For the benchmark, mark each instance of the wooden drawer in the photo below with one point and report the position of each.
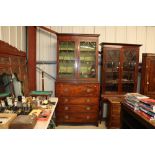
(14, 60)
(4, 60)
(76, 108)
(76, 118)
(116, 106)
(78, 100)
(66, 89)
(115, 111)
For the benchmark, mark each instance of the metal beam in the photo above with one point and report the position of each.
(42, 62)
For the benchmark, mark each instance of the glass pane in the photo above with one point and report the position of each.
(129, 60)
(128, 87)
(66, 59)
(111, 66)
(129, 64)
(87, 59)
(112, 86)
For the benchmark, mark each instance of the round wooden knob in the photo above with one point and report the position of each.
(88, 108)
(66, 108)
(66, 116)
(87, 100)
(88, 117)
(66, 90)
(88, 90)
(66, 99)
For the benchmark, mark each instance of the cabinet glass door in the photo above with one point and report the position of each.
(87, 68)
(66, 59)
(111, 74)
(129, 64)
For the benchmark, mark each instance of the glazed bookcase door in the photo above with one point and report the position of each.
(128, 69)
(67, 59)
(111, 70)
(87, 60)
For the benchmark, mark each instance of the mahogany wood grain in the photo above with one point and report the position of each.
(107, 47)
(77, 108)
(78, 97)
(78, 90)
(13, 60)
(78, 100)
(32, 57)
(148, 75)
(76, 118)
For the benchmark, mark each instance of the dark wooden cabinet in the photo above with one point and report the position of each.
(148, 75)
(119, 68)
(77, 86)
(119, 72)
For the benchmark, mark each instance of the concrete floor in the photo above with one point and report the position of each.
(100, 126)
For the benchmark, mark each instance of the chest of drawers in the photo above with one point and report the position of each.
(114, 108)
(78, 102)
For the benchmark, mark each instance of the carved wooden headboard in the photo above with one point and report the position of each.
(13, 60)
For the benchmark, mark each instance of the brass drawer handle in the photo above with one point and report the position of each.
(88, 117)
(66, 108)
(88, 90)
(88, 108)
(66, 99)
(66, 90)
(66, 117)
(87, 100)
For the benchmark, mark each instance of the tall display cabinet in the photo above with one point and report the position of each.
(148, 75)
(120, 68)
(119, 74)
(77, 85)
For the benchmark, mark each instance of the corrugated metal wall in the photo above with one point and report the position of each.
(46, 43)
(46, 51)
(14, 35)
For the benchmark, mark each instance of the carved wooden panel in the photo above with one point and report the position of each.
(14, 61)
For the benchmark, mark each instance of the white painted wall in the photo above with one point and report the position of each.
(14, 35)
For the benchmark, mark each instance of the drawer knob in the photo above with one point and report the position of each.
(66, 99)
(66, 90)
(66, 116)
(87, 100)
(88, 108)
(88, 90)
(88, 117)
(66, 108)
